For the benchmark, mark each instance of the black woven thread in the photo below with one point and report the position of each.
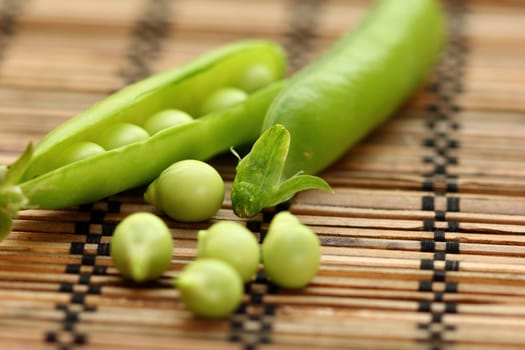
(87, 267)
(147, 35)
(302, 31)
(300, 37)
(441, 183)
(147, 38)
(9, 14)
(255, 310)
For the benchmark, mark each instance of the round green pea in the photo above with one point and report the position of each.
(222, 98)
(291, 252)
(210, 288)
(256, 77)
(188, 191)
(141, 247)
(79, 151)
(232, 243)
(166, 119)
(121, 134)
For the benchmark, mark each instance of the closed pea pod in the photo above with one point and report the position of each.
(338, 99)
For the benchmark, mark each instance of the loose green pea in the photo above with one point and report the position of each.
(121, 134)
(232, 243)
(291, 252)
(79, 151)
(210, 288)
(166, 119)
(256, 77)
(141, 247)
(259, 181)
(223, 98)
(188, 191)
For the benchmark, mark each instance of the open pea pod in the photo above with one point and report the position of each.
(48, 183)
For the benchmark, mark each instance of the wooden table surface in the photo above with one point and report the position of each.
(423, 242)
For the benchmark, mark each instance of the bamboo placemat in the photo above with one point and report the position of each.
(423, 240)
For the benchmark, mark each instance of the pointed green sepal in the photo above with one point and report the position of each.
(258, 182)
(12, 199)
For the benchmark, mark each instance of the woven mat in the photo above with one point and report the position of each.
(423, 240)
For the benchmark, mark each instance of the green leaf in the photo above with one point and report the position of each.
(258, 173)
(258, 182)
(298, 183)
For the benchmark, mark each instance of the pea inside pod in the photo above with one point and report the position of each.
(79, 151)
(121, 134)
(256, 77)
(166, 119)
(222, 98)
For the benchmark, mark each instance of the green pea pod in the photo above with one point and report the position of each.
(184, 88)
(106, 172)
(360, 81)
